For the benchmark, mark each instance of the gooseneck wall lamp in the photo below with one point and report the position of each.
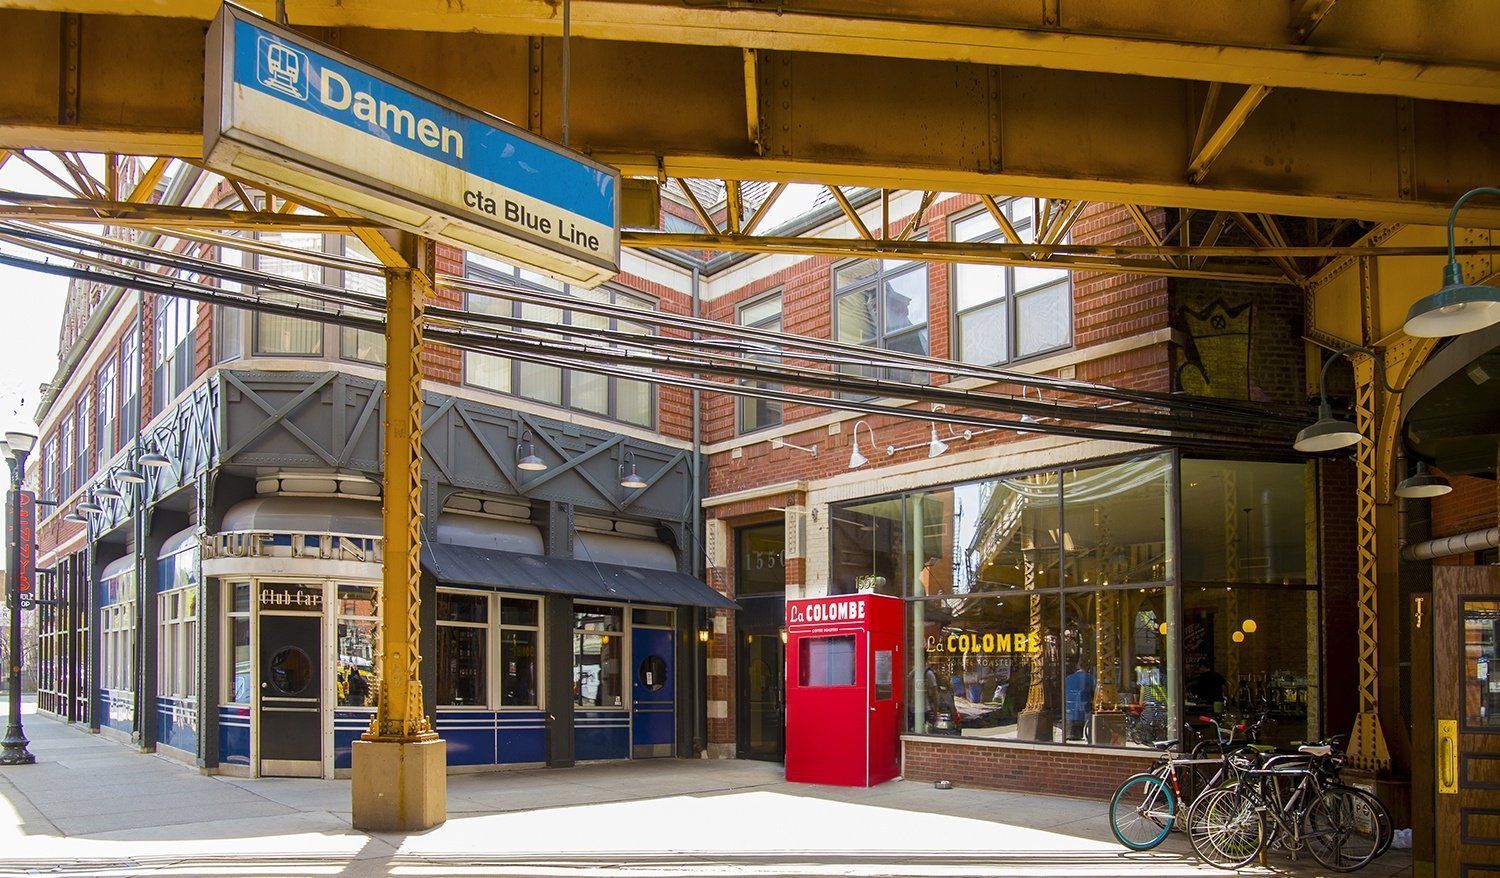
(528, 460)
(1329, 433)
(1458, 307)
(630, 479)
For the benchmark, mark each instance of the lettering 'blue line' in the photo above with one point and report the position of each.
(489, 153)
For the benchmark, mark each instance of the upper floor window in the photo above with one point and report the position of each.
(104, 418)
(130, 386)
(50, 485)
(81, 439)
(1004, 313)
(622, 399)
(65, 459)
(277, 335)
(753, 413)
(175, 319)
(882, 303)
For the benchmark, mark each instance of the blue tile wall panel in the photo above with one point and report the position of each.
(177, 723)
(601, 734)
(234, 734)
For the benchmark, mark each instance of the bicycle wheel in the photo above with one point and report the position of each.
(1142, 812)
(1382, 814)
(1226, 829)
(1342, 829)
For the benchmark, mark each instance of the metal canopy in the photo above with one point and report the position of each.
(469, 565)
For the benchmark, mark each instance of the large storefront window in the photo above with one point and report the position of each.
(462, 645)
(117, 612)
(1049, 607)
(177, 620)
(598, 656)
(237, 605)
(359, 645)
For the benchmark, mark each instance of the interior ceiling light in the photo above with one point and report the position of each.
(1457, 307)
(1423, 483)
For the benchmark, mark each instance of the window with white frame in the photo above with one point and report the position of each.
(177, 665)
(50, 484)
(104, 416)
(520, 652)
(130, 386)
(281, 336)
(362, 345)
(620, 399)
(598, 656)
(117, 614)
(66, 460)
(763, 312)
(237, 664)
(175, 319)
(1004, 313)
(359, 645)
(81, 436)
(882, 303)
(177, 624)
(463, 622)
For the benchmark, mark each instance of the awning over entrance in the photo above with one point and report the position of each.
(467, 565)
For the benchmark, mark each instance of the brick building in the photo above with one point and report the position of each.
(1153, 582)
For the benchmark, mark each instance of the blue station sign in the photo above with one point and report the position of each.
(289, 111)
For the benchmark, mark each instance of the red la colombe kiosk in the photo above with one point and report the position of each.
(844, 689)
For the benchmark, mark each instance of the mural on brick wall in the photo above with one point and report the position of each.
(1217, 356)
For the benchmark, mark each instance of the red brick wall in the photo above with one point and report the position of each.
(1083, 773)
(1471, 506)
(1107, 307)
(1338, 544)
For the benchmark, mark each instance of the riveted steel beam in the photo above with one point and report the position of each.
(1408, 47)
(947, 124)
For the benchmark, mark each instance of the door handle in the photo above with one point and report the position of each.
(1447, 773)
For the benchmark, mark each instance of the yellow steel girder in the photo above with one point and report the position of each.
(1399, 47)
(941, 124)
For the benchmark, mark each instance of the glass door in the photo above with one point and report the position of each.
(763, 696)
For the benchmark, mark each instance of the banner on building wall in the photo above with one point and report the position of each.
(23, 533)
(283, 109)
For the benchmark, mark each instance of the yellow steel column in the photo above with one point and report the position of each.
(1367, 745)
(400, 765)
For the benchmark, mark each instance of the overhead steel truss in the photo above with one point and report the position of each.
(1338, 110)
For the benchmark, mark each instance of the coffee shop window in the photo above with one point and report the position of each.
(867, 543)
(598, 656)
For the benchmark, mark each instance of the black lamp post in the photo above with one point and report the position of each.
(16, 447)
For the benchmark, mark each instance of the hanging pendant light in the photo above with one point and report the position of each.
(1423, 483)
(1457, 307)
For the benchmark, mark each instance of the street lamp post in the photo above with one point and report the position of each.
(13, 750)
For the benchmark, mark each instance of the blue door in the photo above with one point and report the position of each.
(653, 721)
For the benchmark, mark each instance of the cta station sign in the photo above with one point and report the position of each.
(285, 110)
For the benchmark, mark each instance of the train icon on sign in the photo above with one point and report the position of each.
(282, 68)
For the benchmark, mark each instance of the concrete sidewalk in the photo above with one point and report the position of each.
(93, 807)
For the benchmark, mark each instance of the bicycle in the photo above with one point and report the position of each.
(1144, 808)
(1287, 801)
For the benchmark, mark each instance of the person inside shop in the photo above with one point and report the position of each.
(1206, 686)
(1078, 701)
(359, 688)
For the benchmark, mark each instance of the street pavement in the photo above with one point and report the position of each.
(91, 806)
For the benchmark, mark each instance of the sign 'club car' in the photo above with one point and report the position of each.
(289, 111)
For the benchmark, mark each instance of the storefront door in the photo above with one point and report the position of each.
(1466, 694)
(290, 705)
(763, 697)
(653, 699)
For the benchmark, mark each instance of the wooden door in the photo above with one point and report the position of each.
(1466, 698)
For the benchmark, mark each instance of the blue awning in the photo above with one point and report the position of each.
(492, 568)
